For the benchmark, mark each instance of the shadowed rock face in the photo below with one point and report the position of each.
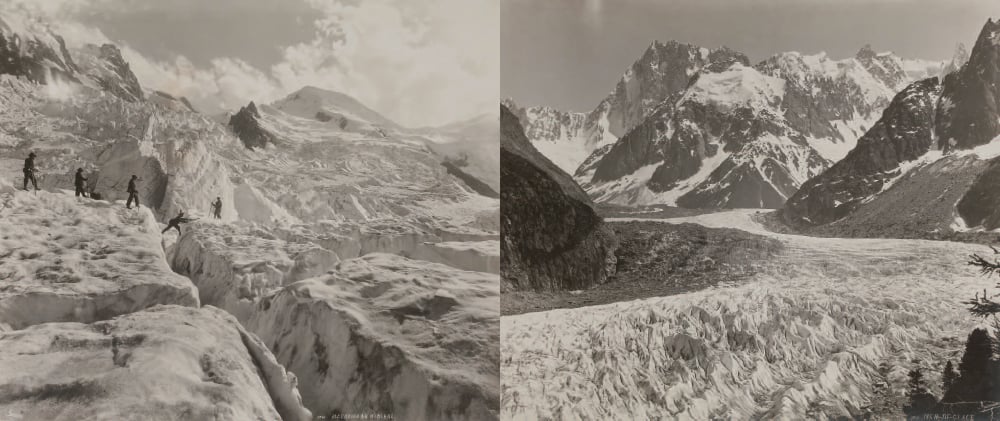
(979, 205)
(967, 114)
(455, 169)
(42, 57)
(663, 70)
(244, 123)
(127, 85)
(904, 133)
(30, 58)
(551, 238)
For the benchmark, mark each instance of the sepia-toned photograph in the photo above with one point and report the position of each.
(743, 210)
(484, 210)
(249, 210)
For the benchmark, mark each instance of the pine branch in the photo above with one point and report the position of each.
(985, 267)
(983, 307)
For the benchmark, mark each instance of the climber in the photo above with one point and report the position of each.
(217, 208)
(133, 193)
(80, 183)
(176, 223)
(29, 171)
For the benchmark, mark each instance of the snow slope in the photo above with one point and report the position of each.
(68, 259)
(735, 87)
(168, 362)
(472, 144)
(802, 340)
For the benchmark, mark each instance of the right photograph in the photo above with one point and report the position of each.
(723, 209)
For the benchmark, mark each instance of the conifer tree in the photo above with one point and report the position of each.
(948, 377)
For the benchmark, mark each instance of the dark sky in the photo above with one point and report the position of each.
(570, 53)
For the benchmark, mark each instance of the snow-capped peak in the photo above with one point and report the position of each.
(738, 86)
(316, 103)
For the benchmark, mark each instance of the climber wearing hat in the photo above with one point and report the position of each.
(133, 193)
(29, 171)
(80, 182)
(176, 223)
(217, 208)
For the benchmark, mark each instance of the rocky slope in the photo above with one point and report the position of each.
(967, 114)
(29, 48)
(904, 133)
(931, 131)
(246, 126)
(472, 147)
(548, 225)
(168, 362)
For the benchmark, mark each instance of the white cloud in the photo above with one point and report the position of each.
(425, 62)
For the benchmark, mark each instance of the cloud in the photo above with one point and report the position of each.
(427, 62)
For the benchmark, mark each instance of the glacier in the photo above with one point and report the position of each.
(803, 339)
(400, 254)
(69, 259)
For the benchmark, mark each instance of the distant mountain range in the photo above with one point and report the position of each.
(699, 127)
(929, 165)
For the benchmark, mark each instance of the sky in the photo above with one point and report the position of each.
(570, 53)
(419, 62)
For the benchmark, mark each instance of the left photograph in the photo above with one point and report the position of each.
(249, 210)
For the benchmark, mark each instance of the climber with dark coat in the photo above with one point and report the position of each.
(217, 208)
(133, 193)
(29, 171)
(80, 182)
(176, 223)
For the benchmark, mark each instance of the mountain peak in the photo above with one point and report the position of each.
(971, 117)
(312, 101)
(310, 91)
(866, 53)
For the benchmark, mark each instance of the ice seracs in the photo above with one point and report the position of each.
(387, 334)
(805, 338)
(167, 361)
(65, 259)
